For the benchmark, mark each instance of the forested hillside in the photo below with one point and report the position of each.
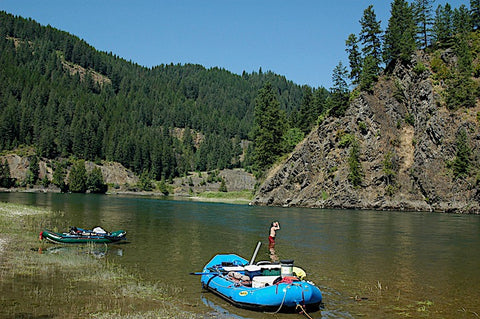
(408, 135)
(64, 98)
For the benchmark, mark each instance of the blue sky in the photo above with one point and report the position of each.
(302, 39)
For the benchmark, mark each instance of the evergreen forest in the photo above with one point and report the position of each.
(66, 99)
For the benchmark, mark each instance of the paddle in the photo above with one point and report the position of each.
(204, 273)
(213, 271)
(255, 253)
(219, 273)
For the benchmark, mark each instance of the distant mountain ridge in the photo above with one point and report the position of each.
(60, 95)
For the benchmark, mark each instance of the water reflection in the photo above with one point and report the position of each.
(398, 260)
(98, 251)
(273, 254)
(218, 311)
(271, 249)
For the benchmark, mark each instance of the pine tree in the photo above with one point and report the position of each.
(461, 88)
(291, 138)
(306, 115)
(422, 10)
(443, 24)
(77, 179)
(58, 178)
(400, 33)
(369, 74)
(462, 20)
(162, 187)
(464, 54)
(46, 144)
(95, 182)
(268, 129)
(319, 100)
(460, 92)
(145, 183)
(355, 175)
(370, 35)
(354, 58)
(339, 93)
(5, 178)
(34, 169)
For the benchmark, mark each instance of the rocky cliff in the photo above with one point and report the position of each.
(406, 140)
(113, 173)
(124, 180)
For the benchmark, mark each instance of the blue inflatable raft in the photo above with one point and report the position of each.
(262, 287)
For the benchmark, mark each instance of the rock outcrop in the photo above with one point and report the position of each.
(235, 180)
(112, 172)
(406, 138)
(124, 180)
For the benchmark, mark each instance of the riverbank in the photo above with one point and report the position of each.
(235, 197)
(41, 280)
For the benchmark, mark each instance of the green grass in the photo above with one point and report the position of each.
(240, 197)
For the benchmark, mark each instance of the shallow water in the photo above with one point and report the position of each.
(367, 264)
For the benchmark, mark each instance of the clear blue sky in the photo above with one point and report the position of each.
(302, 39)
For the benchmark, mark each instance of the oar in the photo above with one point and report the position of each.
(255, 253)
(219, 273)
(205, 273)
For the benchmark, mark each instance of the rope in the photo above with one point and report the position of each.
(281, 305)
(303, 311)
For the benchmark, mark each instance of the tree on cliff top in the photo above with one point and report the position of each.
(354, 58)
(400, 34)
(337, 102)
(422, 10)
(475, 12)
(370, 36)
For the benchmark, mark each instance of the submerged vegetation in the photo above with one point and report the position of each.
(44, 281)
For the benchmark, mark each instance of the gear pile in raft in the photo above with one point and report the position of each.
(262, 286)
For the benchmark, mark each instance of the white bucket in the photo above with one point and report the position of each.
(287, 268)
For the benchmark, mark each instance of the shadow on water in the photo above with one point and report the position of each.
(221, 309)
(218, 311)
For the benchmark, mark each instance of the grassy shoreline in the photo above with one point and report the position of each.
(38, 283)
(241, 197)
(236, 197)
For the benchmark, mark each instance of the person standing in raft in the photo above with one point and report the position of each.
(273, 232)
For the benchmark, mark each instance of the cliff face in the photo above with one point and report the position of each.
(113, 173)
(406, 138)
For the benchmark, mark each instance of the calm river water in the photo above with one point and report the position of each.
(367, 263)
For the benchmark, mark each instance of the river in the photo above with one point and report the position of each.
(367, 263)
